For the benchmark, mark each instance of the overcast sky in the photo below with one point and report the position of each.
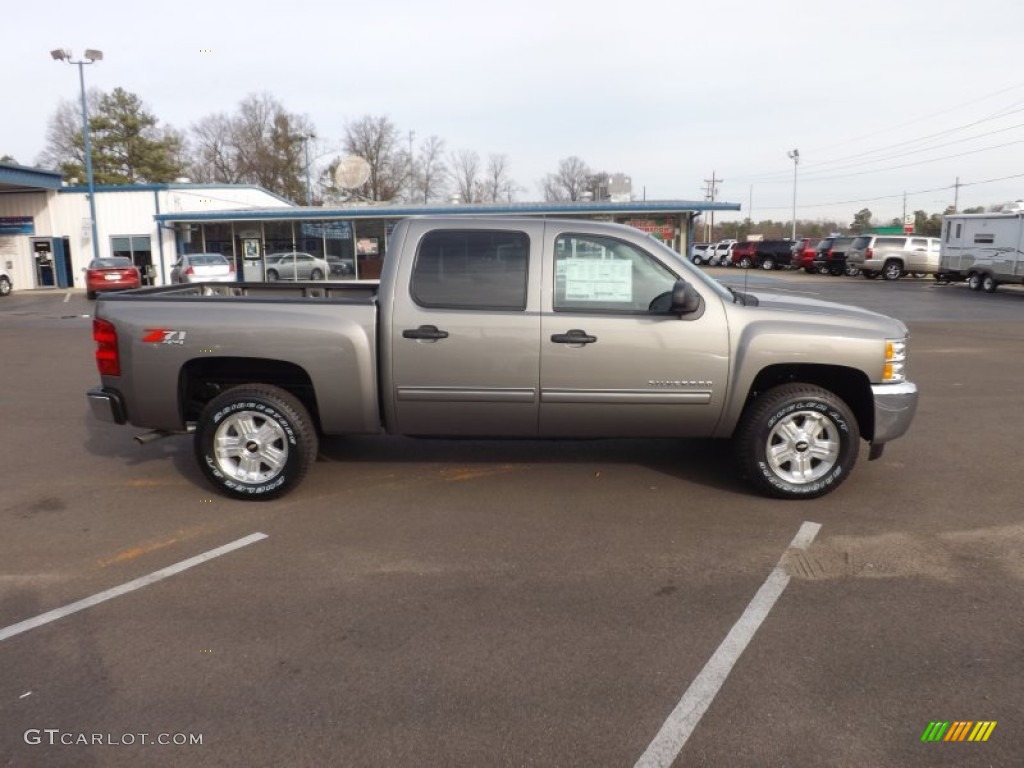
(880, 98)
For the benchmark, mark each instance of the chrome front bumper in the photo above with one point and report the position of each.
(895, 405)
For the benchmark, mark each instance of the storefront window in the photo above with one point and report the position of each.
(278, 237)
(217, 238)
(370, 244)
(138, 249)
(339, 249)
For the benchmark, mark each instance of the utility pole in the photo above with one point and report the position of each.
(711, 194)
(956, 196)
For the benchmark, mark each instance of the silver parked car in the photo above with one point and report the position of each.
(296, 265)
(894, 256)
(203, 268)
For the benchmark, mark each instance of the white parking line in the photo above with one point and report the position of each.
(131, 586)
(672, 737)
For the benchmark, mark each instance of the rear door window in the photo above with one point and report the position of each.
(471, 269)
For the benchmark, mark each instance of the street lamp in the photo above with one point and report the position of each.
(92, 56)
(794, 155)
(305, 146)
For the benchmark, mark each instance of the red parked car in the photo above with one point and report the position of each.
(744, 254)
(115, 273)
(803, 254)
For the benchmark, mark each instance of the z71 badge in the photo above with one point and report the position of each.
(164, 336)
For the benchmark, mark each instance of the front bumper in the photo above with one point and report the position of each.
(895, 405)
(107, 405)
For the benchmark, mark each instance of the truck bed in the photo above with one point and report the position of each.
(182, 342)
(362, 290)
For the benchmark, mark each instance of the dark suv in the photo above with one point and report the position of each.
(830, 257)
(774, 254)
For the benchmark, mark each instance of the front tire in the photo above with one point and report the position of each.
(974, 281)
(5, 286)
(255, 442)
(316, 274)
(272, 275)
(768, 263)
(892, 270)
(797, 441)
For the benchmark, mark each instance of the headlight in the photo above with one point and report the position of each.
(895, 360)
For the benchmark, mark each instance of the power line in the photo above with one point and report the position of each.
(779, 176)
(901, 194)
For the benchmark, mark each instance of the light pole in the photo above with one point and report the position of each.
(794, 155)
(305, 147)
(91, 56)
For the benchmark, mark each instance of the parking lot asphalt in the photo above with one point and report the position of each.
(515, 603)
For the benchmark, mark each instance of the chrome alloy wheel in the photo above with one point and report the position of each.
(250, 448)
(803, 447)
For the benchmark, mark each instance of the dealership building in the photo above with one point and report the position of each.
(46, 231)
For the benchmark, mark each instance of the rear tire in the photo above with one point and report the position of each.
(989, 284)
(746, 263)
(797, 441)
(869, 274)
(852, 271)
(5, 286)
(316, 274)
(255, 441)
(272, 275)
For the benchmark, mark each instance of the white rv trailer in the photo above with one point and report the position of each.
(985, 249)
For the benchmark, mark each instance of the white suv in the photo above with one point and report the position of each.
(721, 253)
(5, 282)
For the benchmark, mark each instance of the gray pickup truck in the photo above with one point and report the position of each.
(504, 327)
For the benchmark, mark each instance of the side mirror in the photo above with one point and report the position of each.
(685, 299)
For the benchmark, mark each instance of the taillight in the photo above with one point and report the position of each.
(231, 267)
(869, 253)
(107, 359)
(190, 271)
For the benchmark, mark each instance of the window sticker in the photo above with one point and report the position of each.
(598, 280)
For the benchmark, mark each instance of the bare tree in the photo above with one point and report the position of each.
(430, 171)
(65, 148)
(261, 144)
(214, 157)
(465, 172)
(376, 140)
(499, 186)
(568, 183)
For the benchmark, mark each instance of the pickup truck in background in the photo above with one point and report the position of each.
(504, 327)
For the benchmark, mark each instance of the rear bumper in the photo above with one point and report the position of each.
(107, 405)
(895, 405)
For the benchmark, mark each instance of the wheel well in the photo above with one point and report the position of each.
(849, 384)
(203, 379)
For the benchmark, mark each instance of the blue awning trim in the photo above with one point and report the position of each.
(300, 213)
